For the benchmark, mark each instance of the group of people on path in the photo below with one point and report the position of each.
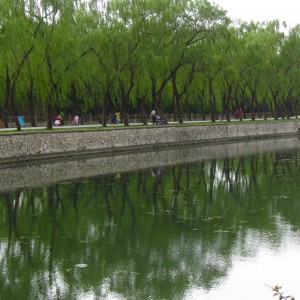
(59, 121)
(116, 118)
(239, 113)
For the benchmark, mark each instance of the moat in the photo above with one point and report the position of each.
(213, 222)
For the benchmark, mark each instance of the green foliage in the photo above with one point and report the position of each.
(76, 52)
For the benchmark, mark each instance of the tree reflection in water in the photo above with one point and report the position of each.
(153, 233)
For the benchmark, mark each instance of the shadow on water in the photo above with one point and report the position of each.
(148, 225)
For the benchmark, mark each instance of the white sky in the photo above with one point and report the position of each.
(262, 10)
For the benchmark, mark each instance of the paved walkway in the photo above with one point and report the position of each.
(130, 124)
(90, 125)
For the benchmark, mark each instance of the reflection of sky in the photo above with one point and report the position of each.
(250, 276)
(55, 286)
(228, 179)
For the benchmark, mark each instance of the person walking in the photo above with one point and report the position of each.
(118, 118)
(79, 118)
(62, 115)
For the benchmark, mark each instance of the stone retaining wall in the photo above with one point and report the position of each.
(33, 146)
(40, 173)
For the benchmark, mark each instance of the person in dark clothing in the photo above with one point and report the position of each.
(62, 115)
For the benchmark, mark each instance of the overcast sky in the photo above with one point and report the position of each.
(262, 10)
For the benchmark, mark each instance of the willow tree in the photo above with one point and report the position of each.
(27, 89)
(198, 92)
(60, 54)
(18, 34)
(213, 66)
(228, 78)
(104, 78)
(124, 41)
(179, 27)
(156, 32)
(147, 36)
(143, 31)
(30, 87)
(141, 96)
(251, 62)
(88, 70)
(291, 68)
(259, 61)
(272, 66)
(196, 34)
(114, 40)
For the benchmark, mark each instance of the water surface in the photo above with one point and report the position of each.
(213, 222)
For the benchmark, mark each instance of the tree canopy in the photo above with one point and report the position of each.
(178, 56)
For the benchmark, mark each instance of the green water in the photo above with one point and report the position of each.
(222, 228)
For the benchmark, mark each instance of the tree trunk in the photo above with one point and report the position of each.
(143, 110)
(177, 98)
(173, 109)
(31, 105)
(155, 102)
(202, 106)
(104, 107)
(264, 109)
(274, 95)
(6, 102)
(15, 111)
(212, 103)
(49, 116)
(225, 108)
(124, 106)
(187, 108)
(252, 105)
